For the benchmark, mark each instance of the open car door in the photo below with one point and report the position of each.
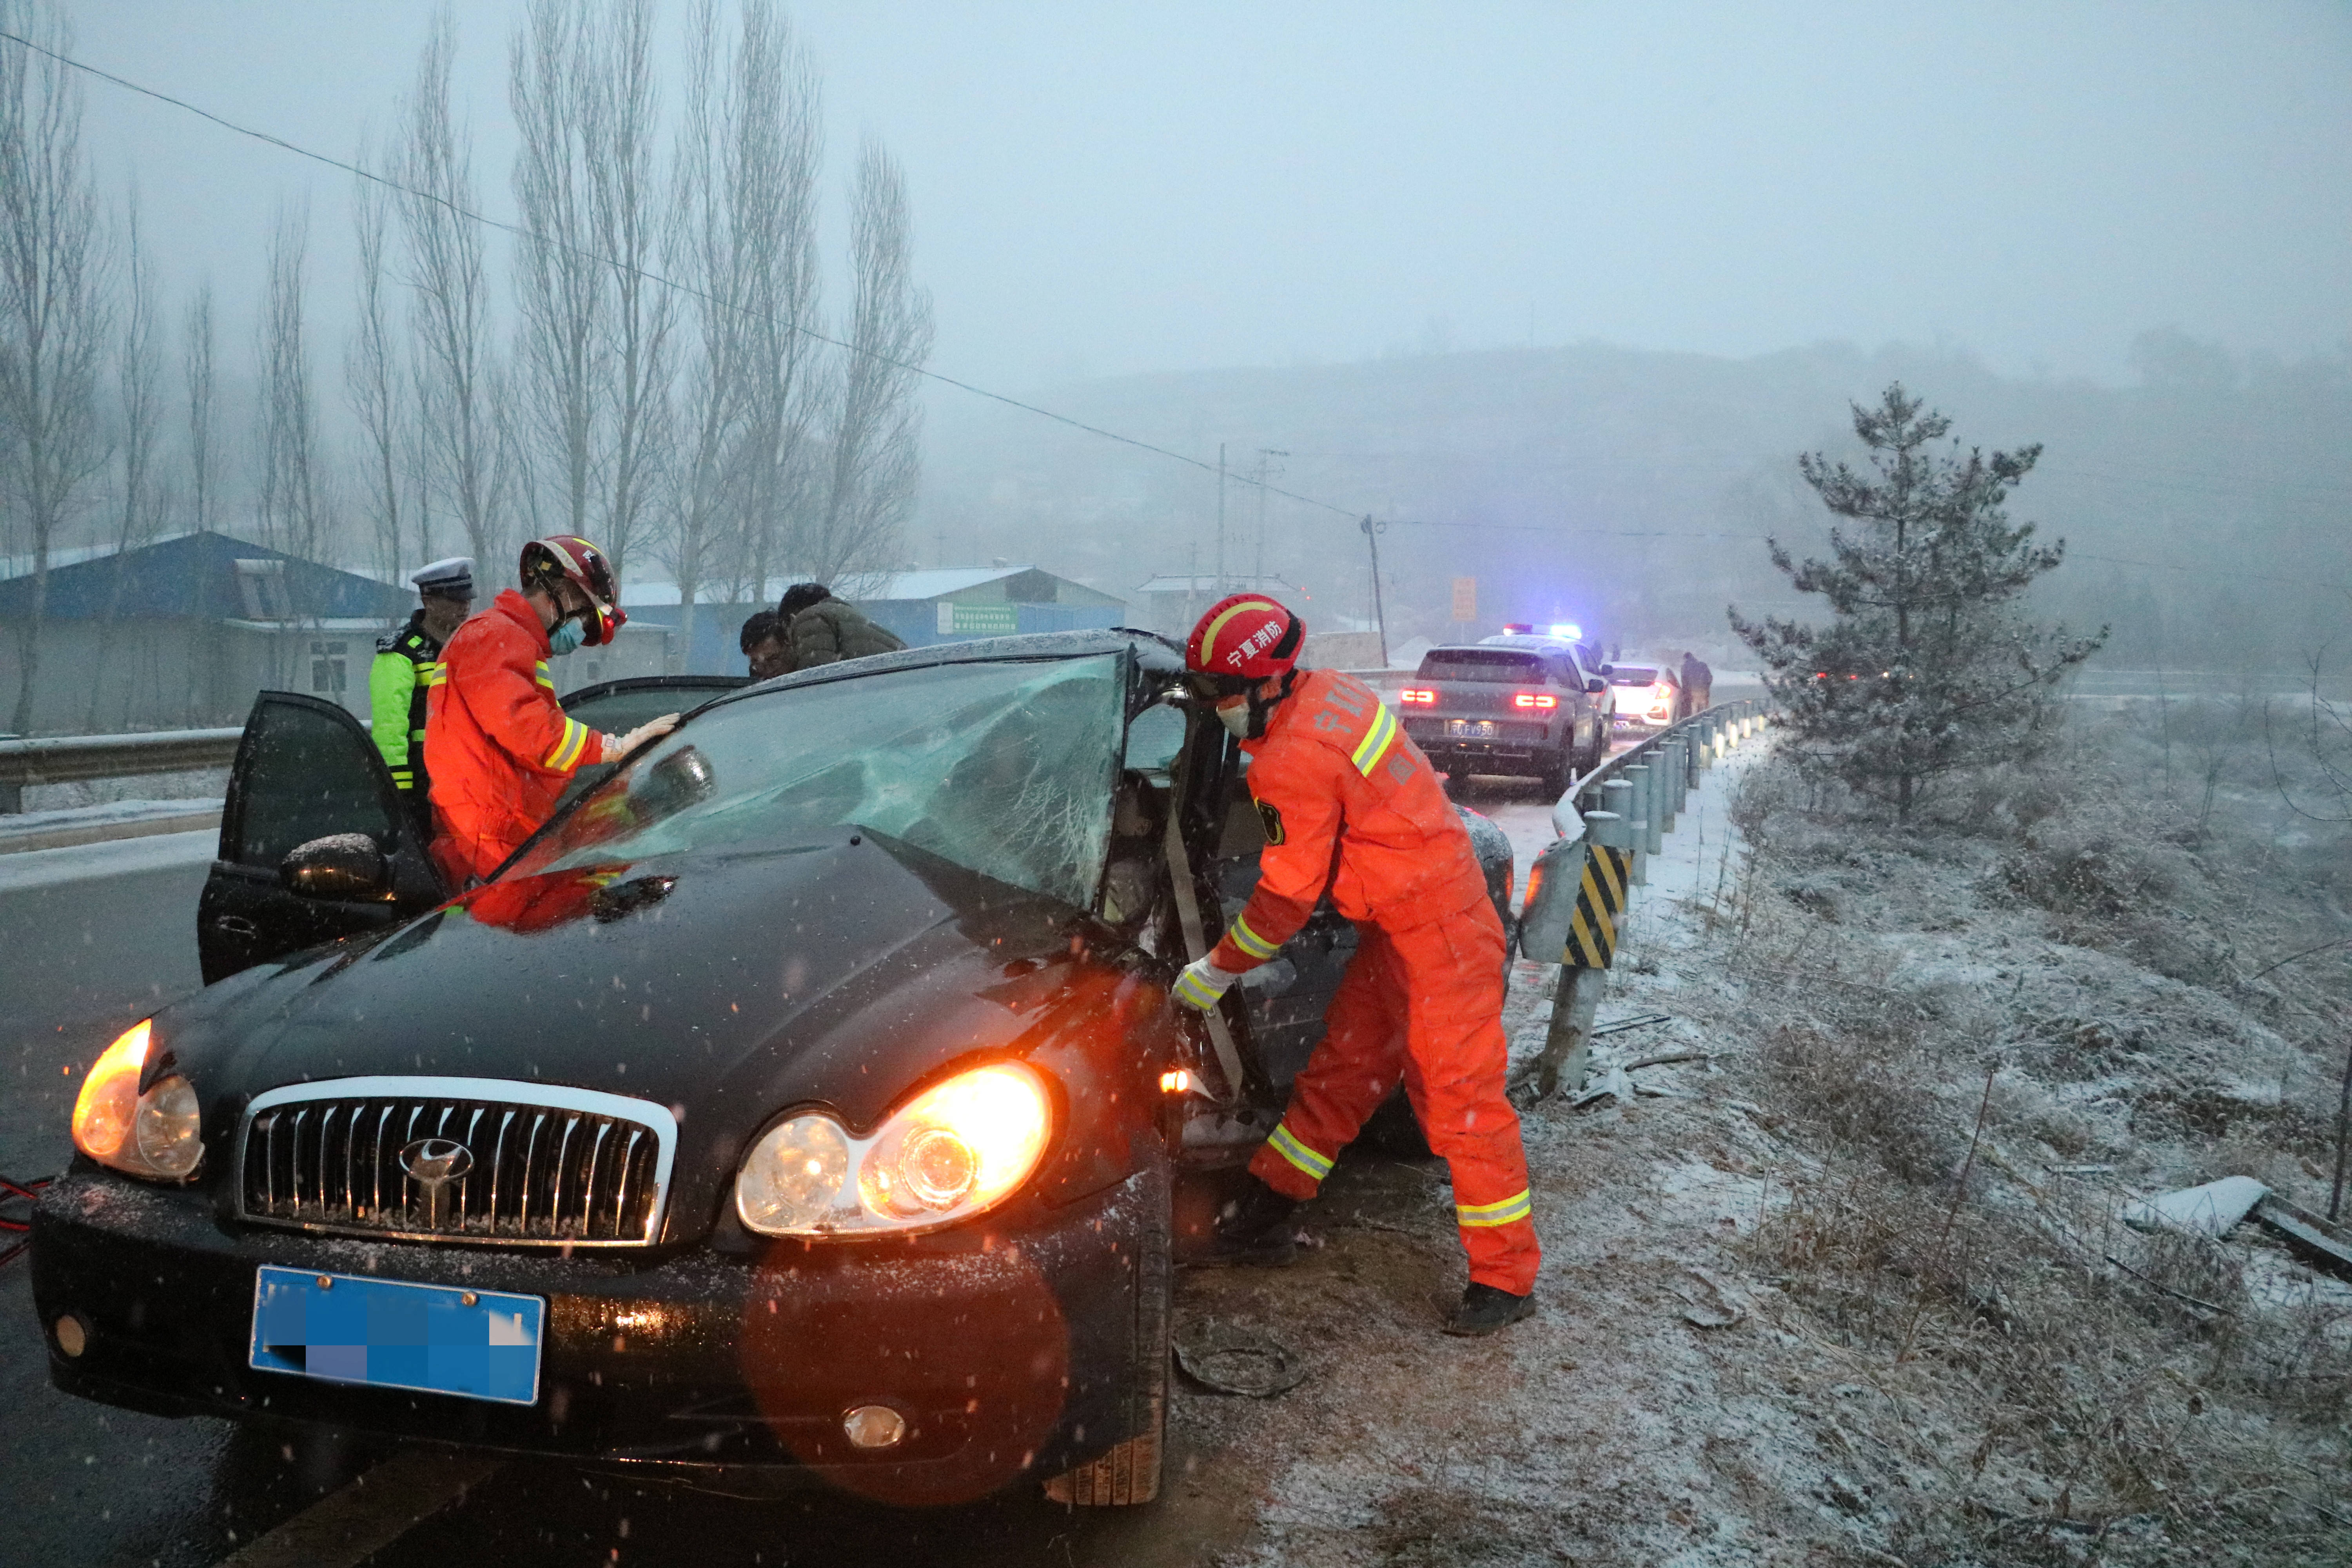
(315, 842)
(307, 773)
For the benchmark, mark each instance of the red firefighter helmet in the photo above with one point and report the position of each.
(1243, 638)
(576, 561)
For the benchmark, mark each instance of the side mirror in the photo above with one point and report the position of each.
(340, 866)
(1595, 687)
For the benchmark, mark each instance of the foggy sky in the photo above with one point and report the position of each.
(1105, 189)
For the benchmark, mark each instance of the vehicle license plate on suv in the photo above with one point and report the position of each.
(1471, 729)
(387, 1334)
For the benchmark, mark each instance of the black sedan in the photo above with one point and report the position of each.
(802, 1100)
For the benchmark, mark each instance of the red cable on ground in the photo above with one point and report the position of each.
(11, 1190)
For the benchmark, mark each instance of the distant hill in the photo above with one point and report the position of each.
(1629, 490)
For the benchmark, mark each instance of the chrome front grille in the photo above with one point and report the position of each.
(548, 1166)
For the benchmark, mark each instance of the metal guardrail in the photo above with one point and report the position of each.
(66, 759)
(1690, 745)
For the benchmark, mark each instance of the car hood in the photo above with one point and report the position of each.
(724, 986)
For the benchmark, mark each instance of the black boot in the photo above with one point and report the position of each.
(1255, 1229)
(1485, 1310)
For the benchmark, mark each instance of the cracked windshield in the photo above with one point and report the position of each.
(1003, 769)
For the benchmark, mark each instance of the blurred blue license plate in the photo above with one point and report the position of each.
(1471, 729)
(387, 1334)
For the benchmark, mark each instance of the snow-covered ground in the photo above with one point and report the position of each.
(1775, 1327)
(1597, 1431)
(30, 831)
(83, 862)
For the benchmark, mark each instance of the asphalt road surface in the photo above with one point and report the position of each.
(99, 937)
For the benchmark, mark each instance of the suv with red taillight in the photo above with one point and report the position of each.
(1519, 705)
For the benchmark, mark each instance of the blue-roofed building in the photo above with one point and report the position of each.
(946, 604)
(182, 631)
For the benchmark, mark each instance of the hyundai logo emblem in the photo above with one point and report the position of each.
(437, 1162)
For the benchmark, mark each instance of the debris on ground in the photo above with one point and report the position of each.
(1710, 1306)
(1228, 1359)
(2213, 1209)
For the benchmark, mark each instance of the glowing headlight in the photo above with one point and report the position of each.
(154, 1134)
(952, 1150)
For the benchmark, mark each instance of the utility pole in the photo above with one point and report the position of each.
(1373, 532)
(1266, 471)
(1221, 519)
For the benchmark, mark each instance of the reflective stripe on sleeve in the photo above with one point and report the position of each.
(1195, 990)
(1514, 1207)
(567, 749)
(544, 678)
(1300, 1156)
(1377, 739)
(435, 674)
(1248, 941)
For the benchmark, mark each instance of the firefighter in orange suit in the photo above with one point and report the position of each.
(1351, 806)
(502, 747)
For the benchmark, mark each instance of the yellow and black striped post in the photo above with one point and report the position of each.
(1599, 902)
(1592, 948)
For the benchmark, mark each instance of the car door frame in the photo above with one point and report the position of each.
(249, 889)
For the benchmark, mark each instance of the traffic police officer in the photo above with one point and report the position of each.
(407, 663)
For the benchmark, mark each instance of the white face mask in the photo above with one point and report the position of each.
(1236, 719)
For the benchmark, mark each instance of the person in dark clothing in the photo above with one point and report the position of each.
(762, 642)
(821, 629)
(1698, 683)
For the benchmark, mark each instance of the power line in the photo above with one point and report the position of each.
(520, 232)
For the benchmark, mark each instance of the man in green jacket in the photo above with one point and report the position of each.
(821, 629)
(408, 663)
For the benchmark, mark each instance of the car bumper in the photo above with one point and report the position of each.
(1006, 1349)
(1505, 754)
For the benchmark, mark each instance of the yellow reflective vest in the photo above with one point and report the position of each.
(407, 664)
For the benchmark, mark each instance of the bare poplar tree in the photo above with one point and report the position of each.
(562, 289)
(451, 313)
(875, 435)
(54, 316)
(197, 376)
(785, 387)
(371, 379)
(293, 480)
(139, 406)
(732, 158)
(633, 210)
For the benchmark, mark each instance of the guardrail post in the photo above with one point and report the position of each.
(1673, 782)
(1617, 806)
(1592, 948)
(1640, 783)
(1653, 823)
(11, 798)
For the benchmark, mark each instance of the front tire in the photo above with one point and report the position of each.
(1128, 1474)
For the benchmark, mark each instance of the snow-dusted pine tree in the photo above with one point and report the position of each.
(1927, 666)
